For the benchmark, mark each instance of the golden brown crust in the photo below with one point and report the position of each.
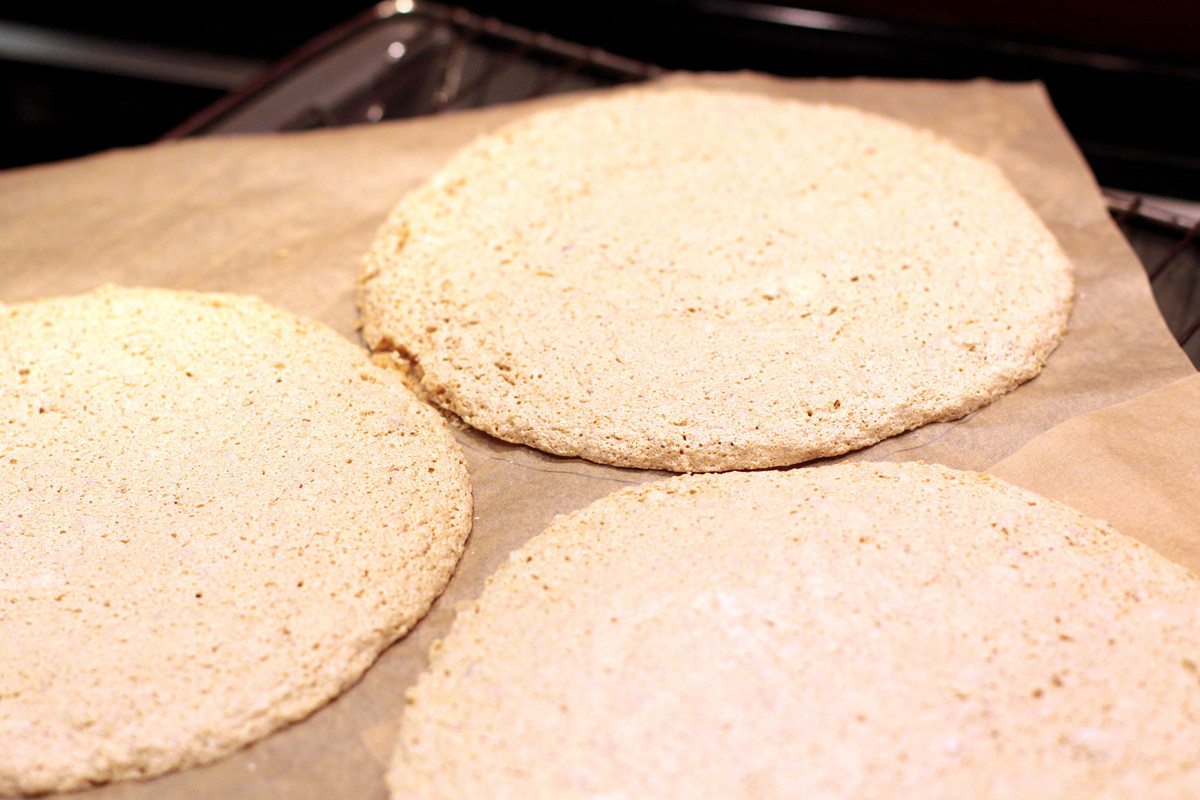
(702, 280)
(213, 516)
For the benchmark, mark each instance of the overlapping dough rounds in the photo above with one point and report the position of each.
(213, 517)
(859, 631)
(703, 280)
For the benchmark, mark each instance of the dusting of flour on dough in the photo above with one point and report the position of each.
(875, 631)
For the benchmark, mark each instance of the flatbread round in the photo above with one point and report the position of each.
(865, 630)
(702, 280)
(213, 517)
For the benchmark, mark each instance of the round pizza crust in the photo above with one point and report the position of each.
(864, 630)
(213, 517)
(701, 280)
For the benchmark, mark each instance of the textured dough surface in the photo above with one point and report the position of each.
(865, 631)
(213, 517)
(702, 280)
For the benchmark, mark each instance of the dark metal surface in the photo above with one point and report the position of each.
(401, 59)
(1166, 236)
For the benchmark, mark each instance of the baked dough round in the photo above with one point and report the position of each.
(213, 517)
(702, 280)
(863, 630)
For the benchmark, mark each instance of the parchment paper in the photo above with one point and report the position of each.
(288, 217)
(1135, 464)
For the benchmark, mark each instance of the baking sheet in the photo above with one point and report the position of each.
(288, 217)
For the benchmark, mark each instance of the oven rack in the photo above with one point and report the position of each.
(406, 58)
(1165, 233)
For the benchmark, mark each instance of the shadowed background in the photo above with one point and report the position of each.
(79, 77)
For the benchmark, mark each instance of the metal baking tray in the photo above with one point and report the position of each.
(405, 58)
(1165, 233)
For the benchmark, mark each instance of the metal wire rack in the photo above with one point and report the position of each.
(1166, 236)
(404, 58)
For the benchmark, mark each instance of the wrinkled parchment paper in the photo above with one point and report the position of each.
(288, 217)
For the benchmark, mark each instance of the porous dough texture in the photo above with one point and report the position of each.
(213, 517)
(700, 280)
(856, 631)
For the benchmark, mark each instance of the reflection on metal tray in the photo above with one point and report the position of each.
(405, 58)
(1165, 233)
